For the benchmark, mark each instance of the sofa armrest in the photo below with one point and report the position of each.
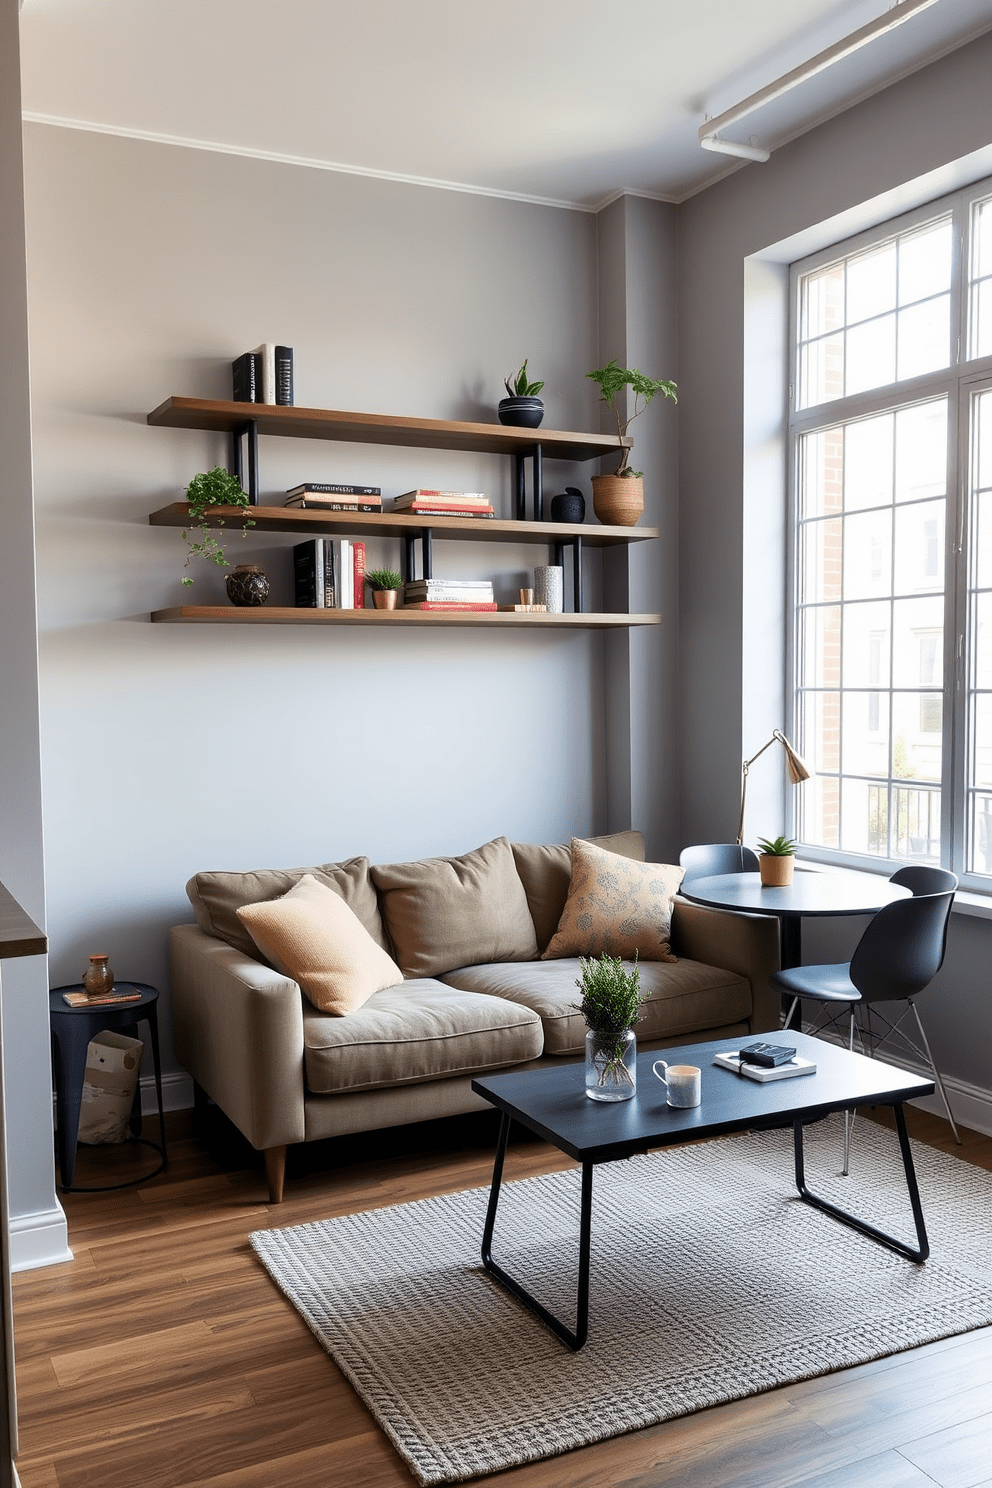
(745, 943)
(238, 1029)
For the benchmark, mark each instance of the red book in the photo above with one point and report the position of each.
(440, 604)
(429, 509)
(358, 553)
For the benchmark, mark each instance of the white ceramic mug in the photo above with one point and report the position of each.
(682, 1081)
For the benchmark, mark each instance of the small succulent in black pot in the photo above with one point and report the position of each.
(521, 408)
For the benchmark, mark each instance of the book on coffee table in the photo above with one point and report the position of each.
(762, 1073)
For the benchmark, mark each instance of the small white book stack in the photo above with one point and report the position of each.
(763, 1073)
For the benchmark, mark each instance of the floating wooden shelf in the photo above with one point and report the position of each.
(367, 524)
(378, 428)
(275, 615)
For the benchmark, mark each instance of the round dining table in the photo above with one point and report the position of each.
(842, 892)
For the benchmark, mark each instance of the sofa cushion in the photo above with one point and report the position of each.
(446, 912)
(420, 1030)
(546, 872)
(616, 907)
(681, 998)
(311, 935)
(217, 897)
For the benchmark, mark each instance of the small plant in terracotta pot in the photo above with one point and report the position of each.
(385, 584)
(619, 498)
(776, 860)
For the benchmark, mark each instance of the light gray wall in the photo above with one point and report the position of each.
(172, 749)
(922, 137)
(27, 1059)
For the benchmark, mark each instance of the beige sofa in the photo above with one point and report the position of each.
(468, 934)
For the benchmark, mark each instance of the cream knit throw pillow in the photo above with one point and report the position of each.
(311, 935)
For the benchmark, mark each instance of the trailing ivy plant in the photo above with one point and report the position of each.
(210, 488)
(611, 381)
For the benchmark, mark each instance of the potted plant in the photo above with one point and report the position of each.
(385, 584)
(611, 1003)
(776, 860)
(521, 407)
(619, 498)
(211, 488)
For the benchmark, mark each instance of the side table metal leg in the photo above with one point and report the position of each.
(574, 1340)
(151, 1018)
(922, 1250)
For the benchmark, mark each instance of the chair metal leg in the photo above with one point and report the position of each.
(848, 1115)
(788, 1017)
(936, 1072)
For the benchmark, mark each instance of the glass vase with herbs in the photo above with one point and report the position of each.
(611, 1004)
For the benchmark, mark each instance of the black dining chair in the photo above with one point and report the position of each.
(897, 957)
(710, 858)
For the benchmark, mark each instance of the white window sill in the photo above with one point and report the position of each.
(966, 901)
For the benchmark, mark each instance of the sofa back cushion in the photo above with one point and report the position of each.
(616, 907)
(444, 913)
(217, 897)
(311, 935)
(546, 873)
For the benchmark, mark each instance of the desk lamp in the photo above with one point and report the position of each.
(797, 767)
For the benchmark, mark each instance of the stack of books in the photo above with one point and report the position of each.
(329, 496)
(264, 375)
(329, 574)
(422, 502)
(449, 594)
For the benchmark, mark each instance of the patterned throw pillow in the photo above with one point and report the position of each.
(616, 907)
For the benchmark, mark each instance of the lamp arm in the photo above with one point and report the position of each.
(777, 737)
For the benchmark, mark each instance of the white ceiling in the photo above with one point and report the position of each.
(567, 101)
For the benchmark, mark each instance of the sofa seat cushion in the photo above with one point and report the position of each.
(419, 1030)
(682, 997)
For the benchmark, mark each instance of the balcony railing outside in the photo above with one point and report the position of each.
(912, 829)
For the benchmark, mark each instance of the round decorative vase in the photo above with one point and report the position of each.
(385, 599)
(522, 413)
(568, 506)
(776, 871)
(611, 1065)
(247, 586)
(618, 500)
(98, 979)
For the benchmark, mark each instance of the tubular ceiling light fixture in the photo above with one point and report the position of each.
(901, 11)
(796, 765)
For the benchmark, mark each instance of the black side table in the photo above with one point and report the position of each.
(72, 1029)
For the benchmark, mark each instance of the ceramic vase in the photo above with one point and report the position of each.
(247, 586)
(568, 506)
(98, 979)
(549, 588)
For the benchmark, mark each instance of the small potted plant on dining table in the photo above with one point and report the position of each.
(385, 584)
(611, 1004)
(776, 860)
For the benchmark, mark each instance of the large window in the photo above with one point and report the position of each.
(892, 636)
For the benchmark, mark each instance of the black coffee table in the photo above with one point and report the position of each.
(552, 1102)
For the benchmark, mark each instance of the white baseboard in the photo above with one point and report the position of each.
(39, 1239)
(177, 1093)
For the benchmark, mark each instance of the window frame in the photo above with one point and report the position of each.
(958, 382)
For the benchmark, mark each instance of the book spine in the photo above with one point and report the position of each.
(283, 375)
(267, 356)
(243, 378)
(347, 576)
(443, 604)
(352, 506)
(333, 489)
(424, 491)
(305, 575)
(321, 576)
(446, 511)
(329, 575)
(358, 569)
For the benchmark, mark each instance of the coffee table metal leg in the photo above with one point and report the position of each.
(576, 1339)
(918, 1254)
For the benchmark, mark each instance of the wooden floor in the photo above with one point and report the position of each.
(163, 1357)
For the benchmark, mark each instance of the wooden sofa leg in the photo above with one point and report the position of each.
(275, 1172)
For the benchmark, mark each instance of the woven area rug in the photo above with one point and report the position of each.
(711, 1281)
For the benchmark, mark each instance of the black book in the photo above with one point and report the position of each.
(333, 488)
(284, 376)
(246, 375)
(305, 574)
